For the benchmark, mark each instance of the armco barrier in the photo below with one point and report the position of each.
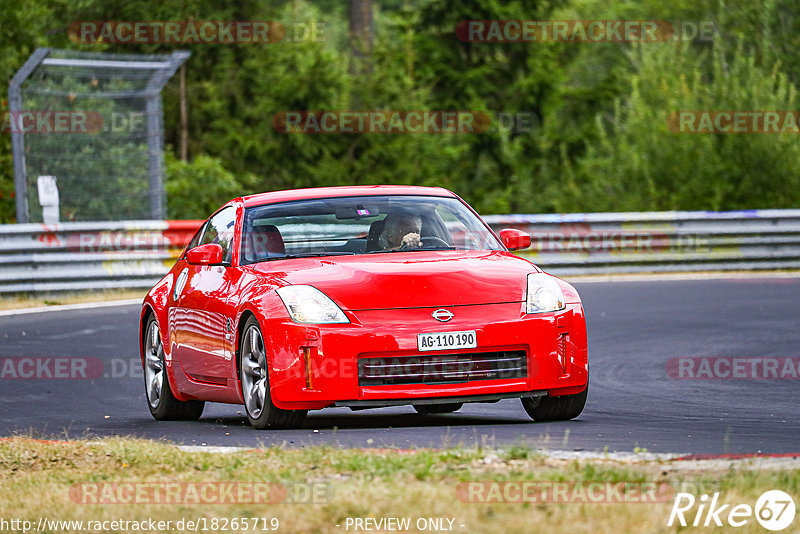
(135, 254)
(76, 256)
(594, 243)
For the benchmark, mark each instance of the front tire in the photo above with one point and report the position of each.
(258, 406)
(162, 403)
(438, 408)
(561, 408)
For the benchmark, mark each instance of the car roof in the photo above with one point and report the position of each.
(343, 191)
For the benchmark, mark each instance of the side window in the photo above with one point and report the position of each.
(220, 230)
(460, 235)
(196, 239)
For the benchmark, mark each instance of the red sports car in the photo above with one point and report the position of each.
(363, 297)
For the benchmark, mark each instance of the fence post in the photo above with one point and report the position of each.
(17, 137)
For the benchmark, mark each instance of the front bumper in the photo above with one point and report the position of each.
(317, 366)
(383, 403)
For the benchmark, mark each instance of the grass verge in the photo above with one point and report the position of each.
(50, 480)
(32, 300)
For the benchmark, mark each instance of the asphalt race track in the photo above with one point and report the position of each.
(634, 329)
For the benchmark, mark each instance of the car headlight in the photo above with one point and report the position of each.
(307, 304)
(544, 294)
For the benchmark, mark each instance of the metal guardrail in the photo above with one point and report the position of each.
(653, 242)
(135, 254)
(97, 255)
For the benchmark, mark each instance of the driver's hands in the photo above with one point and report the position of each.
(411, 241)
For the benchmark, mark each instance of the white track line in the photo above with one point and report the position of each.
(70, 307)
(214, 449)
(582, 279)
(668, 277)
(666, 460)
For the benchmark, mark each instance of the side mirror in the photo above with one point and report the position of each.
(515, 239)
(210, 254)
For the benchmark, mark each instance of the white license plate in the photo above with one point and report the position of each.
(447, 340)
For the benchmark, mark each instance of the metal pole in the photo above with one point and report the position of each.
(17, 137)
(155, 145)
(155, 134)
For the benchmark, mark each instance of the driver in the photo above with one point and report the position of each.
(400, 231)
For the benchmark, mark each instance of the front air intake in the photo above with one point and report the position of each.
(442, 368)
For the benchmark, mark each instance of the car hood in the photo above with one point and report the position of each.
(410, 280)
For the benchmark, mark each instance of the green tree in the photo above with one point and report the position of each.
(639, 163)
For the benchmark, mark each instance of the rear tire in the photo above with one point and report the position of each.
(258, 406)
(162, 403)
(438, 408)
(561, 408)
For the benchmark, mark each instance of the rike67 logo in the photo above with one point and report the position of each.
(774, 510)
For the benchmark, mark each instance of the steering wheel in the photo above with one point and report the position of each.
(435, 241)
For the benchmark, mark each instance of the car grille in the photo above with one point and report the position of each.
(442, 368)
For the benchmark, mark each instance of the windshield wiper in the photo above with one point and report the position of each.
(308, 255)
(423, 249)
(384, 251)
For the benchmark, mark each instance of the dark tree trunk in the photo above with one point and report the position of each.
(184, 116)
(360, 30)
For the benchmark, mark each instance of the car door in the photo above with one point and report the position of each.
(202, 318)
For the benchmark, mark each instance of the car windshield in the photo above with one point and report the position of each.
(361, 225)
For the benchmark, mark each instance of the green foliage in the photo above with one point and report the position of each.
(22, 29)
(195, 190)
(639, 163)
(8, 211)
(599, 141)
